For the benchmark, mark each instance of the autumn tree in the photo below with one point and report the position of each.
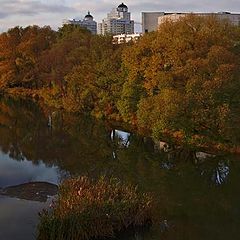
(189, 73)
(69, 50)
(109, 77)
(20, 50)
(94, 83)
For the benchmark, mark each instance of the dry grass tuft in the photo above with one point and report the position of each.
(88, 209)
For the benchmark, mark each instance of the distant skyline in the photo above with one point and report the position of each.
(52, 12)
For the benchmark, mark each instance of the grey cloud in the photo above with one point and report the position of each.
(52, 12)
(102, 7)
(186, 5)
(3, 15)
(30, 7)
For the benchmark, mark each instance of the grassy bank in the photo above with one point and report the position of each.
(88, 209)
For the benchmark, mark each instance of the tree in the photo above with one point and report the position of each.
(20, 50)
(69, 50)
(190, 73)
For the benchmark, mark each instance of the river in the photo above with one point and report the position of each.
(198, 198)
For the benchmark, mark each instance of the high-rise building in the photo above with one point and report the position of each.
(118, 21)
(87, 23)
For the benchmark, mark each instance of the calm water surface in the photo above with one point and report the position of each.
(197, 198)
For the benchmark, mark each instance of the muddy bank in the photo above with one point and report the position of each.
(34, 191)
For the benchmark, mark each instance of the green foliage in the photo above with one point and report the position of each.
(127, 105)
(87, 209)
(109, 82)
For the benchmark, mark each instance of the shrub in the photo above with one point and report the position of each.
(88, 209)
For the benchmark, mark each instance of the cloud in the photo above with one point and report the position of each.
(185, 5)
(3, 15)
(11, 8)
(100, 8)
(52, 12)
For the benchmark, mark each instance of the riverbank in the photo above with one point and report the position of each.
(198, 143)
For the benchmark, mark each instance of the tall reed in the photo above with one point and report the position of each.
(88, 209)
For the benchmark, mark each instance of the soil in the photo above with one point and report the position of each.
(34, 191)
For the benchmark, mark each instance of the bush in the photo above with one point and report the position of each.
(88, 209)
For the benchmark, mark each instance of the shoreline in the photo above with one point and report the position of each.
(36, 95)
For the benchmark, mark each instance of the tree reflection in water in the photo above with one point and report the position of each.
(216, 169)
(77, 145)
(80, 145)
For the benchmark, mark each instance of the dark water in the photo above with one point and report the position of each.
(197, 198)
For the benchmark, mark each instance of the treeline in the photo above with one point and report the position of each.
(181, 82)
(70, 68)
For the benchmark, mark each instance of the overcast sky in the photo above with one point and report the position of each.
(52, 12)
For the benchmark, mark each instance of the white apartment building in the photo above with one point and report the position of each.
(151, 20)
(87, 23)
(118, 21)
(233, 18)
(125, 38)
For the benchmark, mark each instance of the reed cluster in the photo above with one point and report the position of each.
(94, 209)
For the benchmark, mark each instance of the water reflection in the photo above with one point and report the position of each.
(196, 196)
(16, 172)
(216, 170)
(122, 138)
(18, 218)
(221, 173)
